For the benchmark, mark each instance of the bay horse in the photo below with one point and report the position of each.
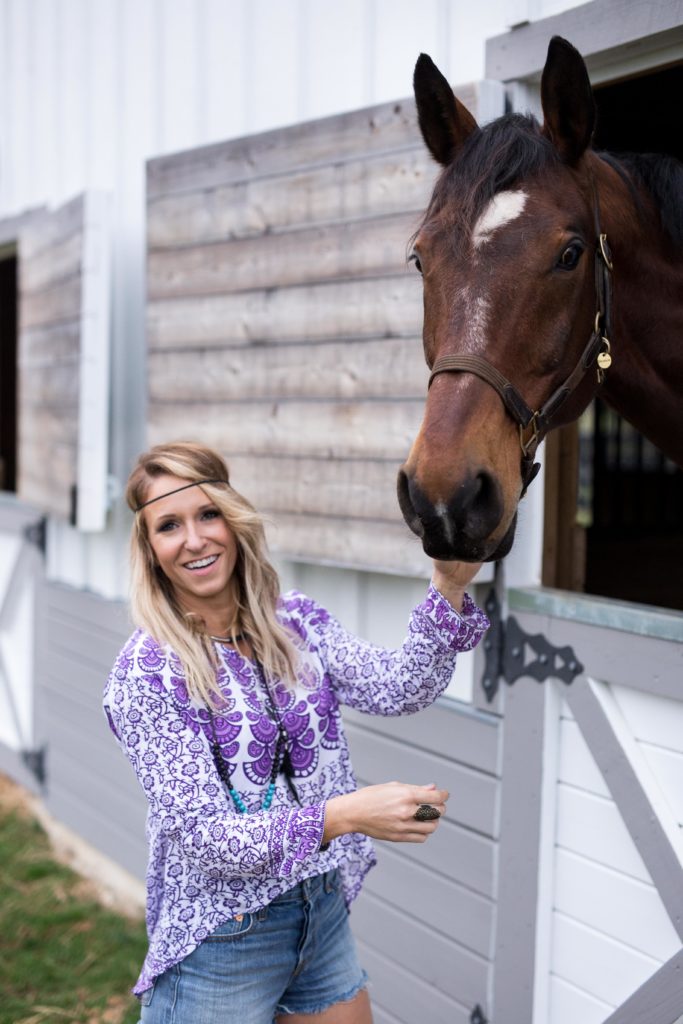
(543, 262)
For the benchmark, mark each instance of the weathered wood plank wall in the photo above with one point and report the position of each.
(284, 323)
(50, 302)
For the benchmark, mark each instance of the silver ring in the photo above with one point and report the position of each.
(426, 812)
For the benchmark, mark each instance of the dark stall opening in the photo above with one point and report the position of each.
(625, 538)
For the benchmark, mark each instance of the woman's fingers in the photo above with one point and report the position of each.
(386, 811)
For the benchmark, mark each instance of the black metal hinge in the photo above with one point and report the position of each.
(36, 533)
(477, 1016)
(511, 653)
(35, 762)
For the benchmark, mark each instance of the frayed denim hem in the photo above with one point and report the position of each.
(281, 1009)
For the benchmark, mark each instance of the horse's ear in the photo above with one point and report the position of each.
(567, 99)
(444, 122)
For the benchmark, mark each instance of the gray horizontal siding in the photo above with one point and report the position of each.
(425, 920)
(90, 787)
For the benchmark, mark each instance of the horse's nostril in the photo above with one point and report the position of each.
(407, 505)
(479, 505)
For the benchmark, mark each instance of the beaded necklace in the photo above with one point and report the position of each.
(281, 761)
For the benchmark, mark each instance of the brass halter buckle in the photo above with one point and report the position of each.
(606, 252)
(533, 438)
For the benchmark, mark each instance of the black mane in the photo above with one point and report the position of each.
(506, 151)
(662, 177)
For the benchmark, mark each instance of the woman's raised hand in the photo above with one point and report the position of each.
(386, 811)
(452, 579)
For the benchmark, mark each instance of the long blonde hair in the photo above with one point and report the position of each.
(154, 605)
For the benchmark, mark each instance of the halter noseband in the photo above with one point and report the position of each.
(598, 348)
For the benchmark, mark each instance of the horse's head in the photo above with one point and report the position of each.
(507, 252)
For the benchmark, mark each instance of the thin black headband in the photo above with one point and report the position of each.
(183, 488)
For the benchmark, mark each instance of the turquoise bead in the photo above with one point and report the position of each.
(242, 807)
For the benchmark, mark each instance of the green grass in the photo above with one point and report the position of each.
(63, 957)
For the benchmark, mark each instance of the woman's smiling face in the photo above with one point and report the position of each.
(194, 546)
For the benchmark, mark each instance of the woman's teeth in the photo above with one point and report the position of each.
(201, 563)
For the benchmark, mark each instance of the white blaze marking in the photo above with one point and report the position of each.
(442, 513)
(502, 209)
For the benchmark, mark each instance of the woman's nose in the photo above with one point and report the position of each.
(193, 538)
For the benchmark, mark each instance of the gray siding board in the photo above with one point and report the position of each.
(473, 795)
(73, 677)
(72, 771)
(446, 729)
(452, 845)
(94, 650)
(458, 913)
(418, 949)
(127, 846)
(382, 1016)
(406, 997)
(98, 612)
(90, 786)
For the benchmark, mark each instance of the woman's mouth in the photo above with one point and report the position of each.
(202, 565)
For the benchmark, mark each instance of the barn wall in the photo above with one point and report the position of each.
(284, 324)
(89, 788)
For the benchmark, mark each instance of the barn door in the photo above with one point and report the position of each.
(590, 907)
(63, 361)
(22, 533)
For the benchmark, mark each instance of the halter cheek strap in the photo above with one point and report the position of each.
(598, 348)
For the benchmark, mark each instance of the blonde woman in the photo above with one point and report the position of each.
(226, 700)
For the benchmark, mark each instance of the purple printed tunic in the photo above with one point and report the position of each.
(207, 862)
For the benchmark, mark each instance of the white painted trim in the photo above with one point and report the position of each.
(93, 397)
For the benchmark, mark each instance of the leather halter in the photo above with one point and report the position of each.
(540, 421)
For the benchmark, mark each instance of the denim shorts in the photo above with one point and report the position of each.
(297, 955)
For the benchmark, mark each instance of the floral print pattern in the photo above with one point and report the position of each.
(208, 863)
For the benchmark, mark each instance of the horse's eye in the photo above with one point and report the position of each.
(570, 257)
(414, 258)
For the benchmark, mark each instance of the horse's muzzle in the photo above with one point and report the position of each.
(461, 529)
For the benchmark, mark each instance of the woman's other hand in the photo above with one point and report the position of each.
(386, 811)
(452, 579)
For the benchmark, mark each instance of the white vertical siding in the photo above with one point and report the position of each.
(81, 78)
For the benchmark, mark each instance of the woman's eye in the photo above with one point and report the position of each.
(211, 513)
(414, 258)
(167, 526)
(570, 257)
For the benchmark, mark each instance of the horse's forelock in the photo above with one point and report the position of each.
(493, 159)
